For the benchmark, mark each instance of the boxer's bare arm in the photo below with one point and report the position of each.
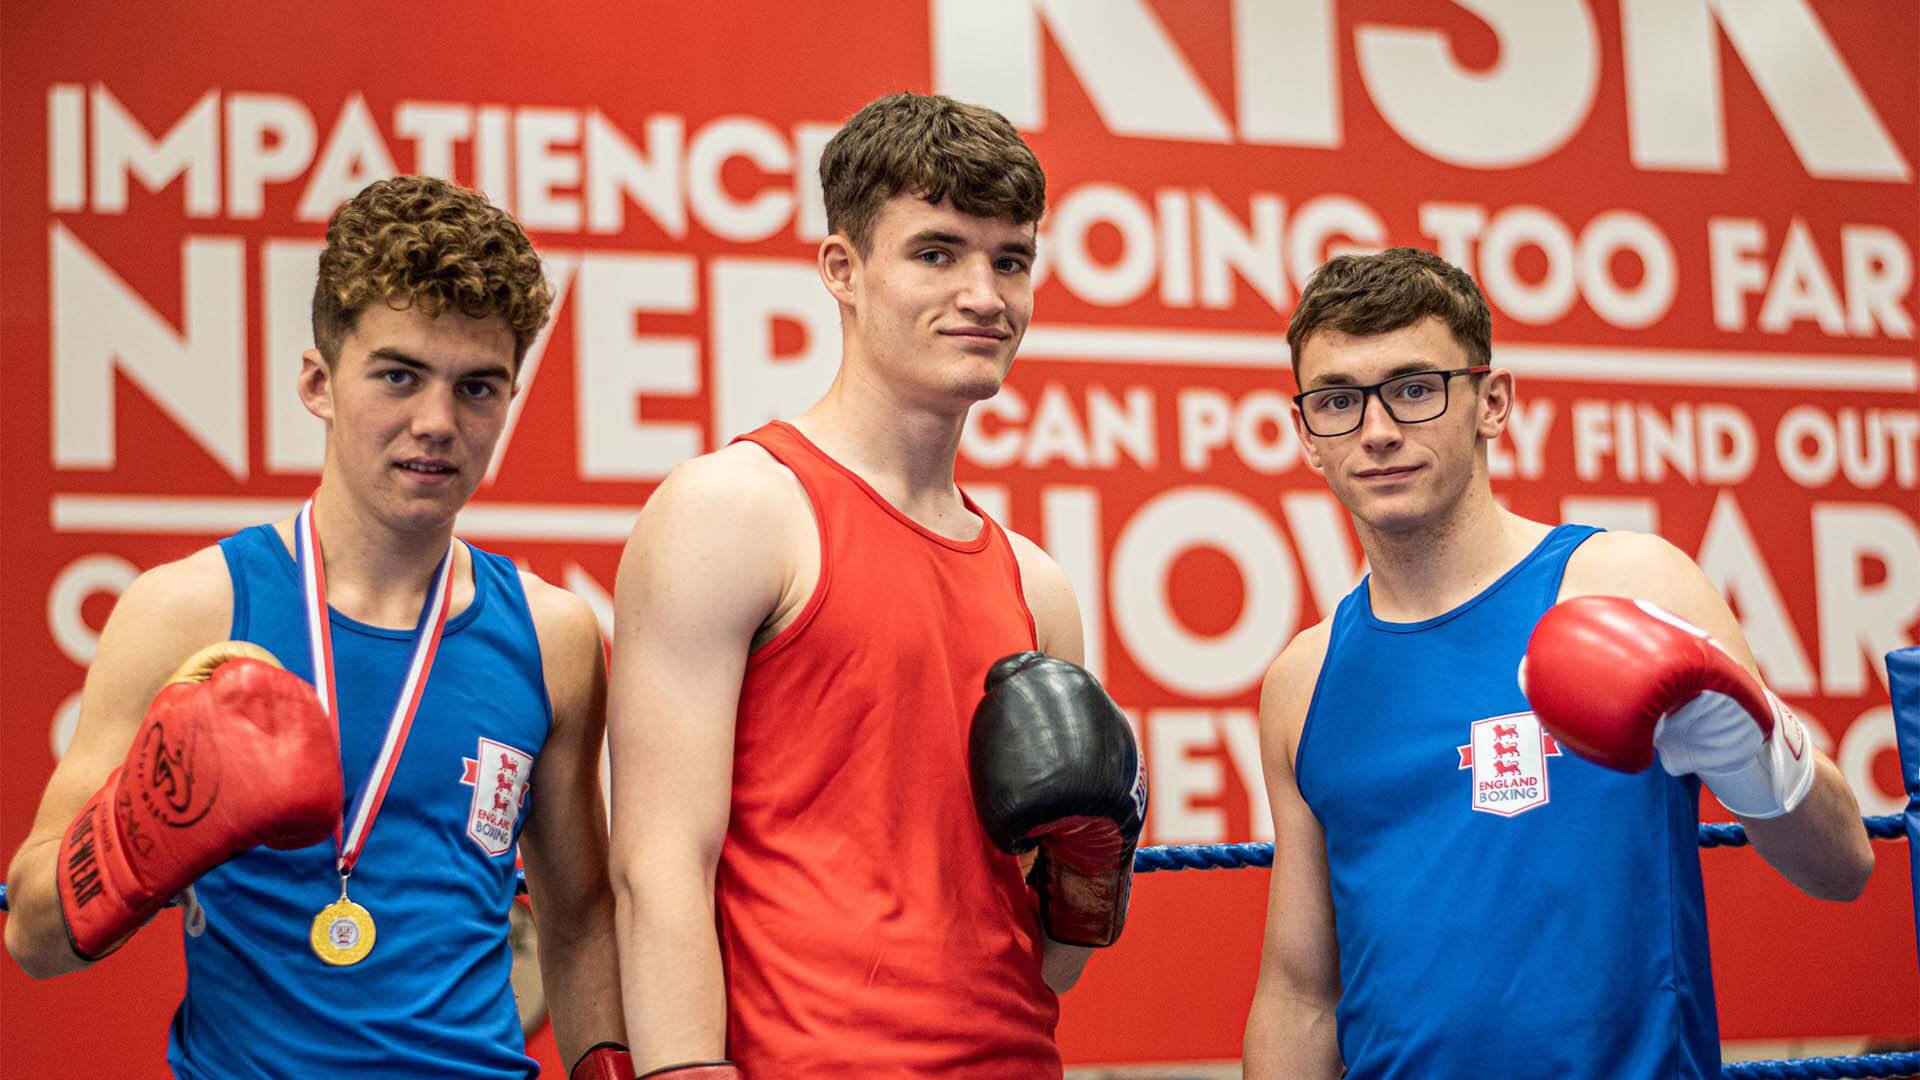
(1819, 847)
(1057, 629)
(706, 566)
(1290, 1028)
(564, 843)
(164, 616)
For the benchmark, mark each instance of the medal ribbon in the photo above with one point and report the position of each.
(426, 631)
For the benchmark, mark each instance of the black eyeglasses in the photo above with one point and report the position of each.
(1408, 399)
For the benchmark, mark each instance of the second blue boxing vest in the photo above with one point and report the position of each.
(1502, 907)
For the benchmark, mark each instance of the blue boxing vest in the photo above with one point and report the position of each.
(437, 872)
(1503, 907)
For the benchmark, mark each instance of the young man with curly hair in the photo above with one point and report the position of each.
(346, 856)
(805, 621)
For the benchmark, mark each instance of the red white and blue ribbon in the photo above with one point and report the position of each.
(426, 632)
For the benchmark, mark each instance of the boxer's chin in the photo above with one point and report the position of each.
(979, 387)
(1393, 513)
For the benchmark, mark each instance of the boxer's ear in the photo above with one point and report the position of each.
(1307, 446)
(1495, 399)
(316, 384)
(839, 266)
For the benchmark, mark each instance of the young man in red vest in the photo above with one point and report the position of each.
(805, 621)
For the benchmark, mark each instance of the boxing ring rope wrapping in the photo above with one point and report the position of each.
(1233, 856)
(1147, 860)
(1903, 673)
(1877, 1065)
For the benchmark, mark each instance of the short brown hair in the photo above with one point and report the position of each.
(419, 241)
(1377, 294)
(932, 147)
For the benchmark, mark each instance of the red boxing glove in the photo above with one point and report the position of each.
(698, 1070)
(1619, 680)
(234, 752)
(606, 1061)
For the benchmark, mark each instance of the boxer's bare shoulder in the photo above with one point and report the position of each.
(737, 488)
(1609, 562)
(1286, 693)
(197, 587)
(163, 617)
(572, 652)
(1049, 596)
(1642, 566)
(737, 517)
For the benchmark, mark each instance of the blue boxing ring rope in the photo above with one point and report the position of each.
(1234, 856)
(1903, 672)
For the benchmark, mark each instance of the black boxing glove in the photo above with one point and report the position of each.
(1055, 765)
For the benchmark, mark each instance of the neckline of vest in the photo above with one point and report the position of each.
(1366, 598)
(455, 623)
(965, 547)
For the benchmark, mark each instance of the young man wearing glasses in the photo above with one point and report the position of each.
(1447, 881)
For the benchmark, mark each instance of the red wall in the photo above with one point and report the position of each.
(1745, 384)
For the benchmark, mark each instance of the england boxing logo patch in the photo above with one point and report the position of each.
(499, 778)
(1508, 756)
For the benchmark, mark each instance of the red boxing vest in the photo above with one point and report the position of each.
(868, 926)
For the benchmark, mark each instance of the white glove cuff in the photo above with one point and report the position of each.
(1777, 778)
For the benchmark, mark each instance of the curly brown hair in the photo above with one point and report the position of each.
(1379, 293)
(936, 148)
(420, 241)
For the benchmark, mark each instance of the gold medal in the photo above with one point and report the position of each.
(342, 932)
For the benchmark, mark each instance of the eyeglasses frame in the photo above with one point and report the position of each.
(1373, 391)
